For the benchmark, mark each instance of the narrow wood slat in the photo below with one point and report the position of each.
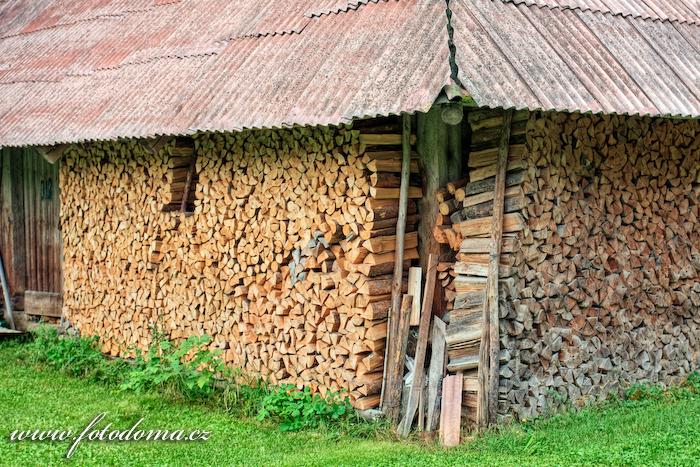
(435, 372)
(451, 413)
(488, 353)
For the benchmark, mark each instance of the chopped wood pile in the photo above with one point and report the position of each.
(600, 260)
(284, 255)
(610, 291)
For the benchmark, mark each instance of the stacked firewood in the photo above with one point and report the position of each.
(284, 256)
(609, 293)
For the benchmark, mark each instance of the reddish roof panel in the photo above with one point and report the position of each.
(336, 6)
(255, 64)
(684, 11)
(75, 70)
(519, 56)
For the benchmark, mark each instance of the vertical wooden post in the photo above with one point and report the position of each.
(391, 373)
(489, 365)
(440, 156)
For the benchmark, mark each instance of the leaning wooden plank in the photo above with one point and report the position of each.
(389, 403)
(451, 413)
(414, 287)
(404, 329)
(396, 367)
(487, 365)
(43, 304)
(435, 372)
(492, 289)
(421, 347)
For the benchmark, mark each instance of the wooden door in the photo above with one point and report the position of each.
(31, 221)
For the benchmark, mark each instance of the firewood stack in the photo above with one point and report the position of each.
(610, 292)
(286, 259)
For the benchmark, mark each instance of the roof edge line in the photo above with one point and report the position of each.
(454, 68)
(581, 9)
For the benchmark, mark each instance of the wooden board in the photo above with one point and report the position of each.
(414, 289)
(435, 372)
(43, 304)
(451, 411)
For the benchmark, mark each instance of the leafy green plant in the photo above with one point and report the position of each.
(75, 356)
(189, 368)
(191, 371)
(295, 409)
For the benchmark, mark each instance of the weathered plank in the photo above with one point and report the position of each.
(43, 303)
(451, 413)
(435, 372)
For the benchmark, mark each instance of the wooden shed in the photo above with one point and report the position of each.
(505, 192)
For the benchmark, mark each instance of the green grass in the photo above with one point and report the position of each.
(631, 433)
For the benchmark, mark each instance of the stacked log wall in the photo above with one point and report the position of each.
(609, 287)
(285, 261)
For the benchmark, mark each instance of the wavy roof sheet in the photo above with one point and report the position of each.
(76, 70)
(99, 69)
(684, 11)
(513, 55)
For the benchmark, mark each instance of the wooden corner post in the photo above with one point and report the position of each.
(489, 367)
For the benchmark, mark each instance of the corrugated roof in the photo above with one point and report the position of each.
(684, 11)
(336, 6)
(75, 70)
(520, 56)
(107, 69)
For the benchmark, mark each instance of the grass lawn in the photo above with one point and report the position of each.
(630, 433)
